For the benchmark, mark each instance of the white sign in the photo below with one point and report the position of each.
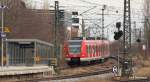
(115, 70)
(144, 47)
(3, 35)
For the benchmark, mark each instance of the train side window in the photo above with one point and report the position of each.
(107, 47)
(90, 46)
(87, 49)
(104, 47)
(91, 49)
(97, 51)
(100, 48)
(94, 49)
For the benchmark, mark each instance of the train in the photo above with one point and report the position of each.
(79, 51)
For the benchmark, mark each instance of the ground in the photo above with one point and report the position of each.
(142, 65)
(96, 80)
(142, 70)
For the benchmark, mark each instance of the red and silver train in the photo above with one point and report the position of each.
(77, 51)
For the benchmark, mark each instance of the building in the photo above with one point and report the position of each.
(76, 29)
(31, 23)
(25, 23)
(147, 24)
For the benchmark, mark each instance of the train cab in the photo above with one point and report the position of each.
(81, 51)
(74, 50)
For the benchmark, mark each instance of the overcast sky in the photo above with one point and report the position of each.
(111, 7)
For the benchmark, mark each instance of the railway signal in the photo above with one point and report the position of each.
(115, 70)
(118, 25)
(138, 40)
(127, 61)
(119, 33)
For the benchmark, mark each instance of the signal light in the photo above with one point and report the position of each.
(138, 40)
(118, 25)
(118, 35)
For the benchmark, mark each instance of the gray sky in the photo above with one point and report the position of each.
(111, 7)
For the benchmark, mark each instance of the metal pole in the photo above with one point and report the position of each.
(104, 6)
(83, 29)
(126, 38)
(107, 34)
(102, 23)
(2, 43)
(35, 53)
(124, 33)
(7, 56)
(147, 48)
(55, 30)
(118, 62)
(56, 54)
(103, 26)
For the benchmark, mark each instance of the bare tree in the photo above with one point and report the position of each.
(32, 4)
(147, 22)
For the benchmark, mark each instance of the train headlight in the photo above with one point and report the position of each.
(83, 55)
(67, 55)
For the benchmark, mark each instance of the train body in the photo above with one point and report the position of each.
(78, 51)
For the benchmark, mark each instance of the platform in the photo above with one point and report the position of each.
(18, 70)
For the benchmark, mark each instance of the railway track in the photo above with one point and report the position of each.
(103, 70)
(66, 76)
(86, 65)
(76, 72)
(69, 76)
(82, 75)
(87, 70)
(138, 80)
(79, 71)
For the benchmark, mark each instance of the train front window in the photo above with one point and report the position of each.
(75, 50)
(75, 42)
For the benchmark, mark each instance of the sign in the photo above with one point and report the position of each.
(53, 61)
(115, 70)
(37, 58)
(144, 47)
(26, 46)
(3, 35)
(7, 29)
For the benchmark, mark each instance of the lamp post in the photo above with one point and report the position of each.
(104, 7)
(2, 34)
